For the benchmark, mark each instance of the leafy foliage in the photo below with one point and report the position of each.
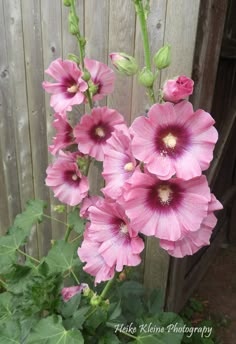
(76, 222)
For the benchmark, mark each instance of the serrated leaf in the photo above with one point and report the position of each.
(6, 310)
(76, 222)
(62, 257)
(109, 338)
(50, 331)
(79, 316)
(68, 308)
(10, 333)
(114, 311)
(9, 244)
(32, 215)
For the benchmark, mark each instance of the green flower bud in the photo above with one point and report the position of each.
(86, 75)
(74, 58)
(67, 3)
(95, 300)
(92, 88)
(59, 208)
(162, 57)
(124, 63)
(73, 23)
(146, 77)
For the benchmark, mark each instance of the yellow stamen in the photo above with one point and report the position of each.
(74, 177)
(100, 132)
(170, 140)
(129, 167)
(123, 228)
(73, 89)
(165, 194)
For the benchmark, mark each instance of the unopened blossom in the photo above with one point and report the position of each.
(166, 209)
(64, 136)
(119, 163)
(177, 89)
(119, 243)
(102, 77)
(191, 242)
(95, 264)
(69, 88)
(124, 63)
(174, 139)
(66, 180)
(94, 130)
(69, 292)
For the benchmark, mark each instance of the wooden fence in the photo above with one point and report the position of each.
(32, 34)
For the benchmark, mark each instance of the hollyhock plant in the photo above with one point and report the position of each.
(169, 208)
(70, 87)
(102, 77)
(119, 244)
(119, 163)
(193, 241)
(87, 203)
(66, 180)
(69, 292)
(174, 139)
(94, 130)
(64, 136)
(177, 89)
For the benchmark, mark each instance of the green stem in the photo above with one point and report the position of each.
(54, 219)
(107, 288)
(75, 277)
(89, 99)
(67, 234)
(143, 25)
(28, 256)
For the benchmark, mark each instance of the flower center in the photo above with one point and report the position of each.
(73, 89)
(74, 177)
(170, 140)
(129, 167)
(100, 132)
(124, 228)
(165, 194)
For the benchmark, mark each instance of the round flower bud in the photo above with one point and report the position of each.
(67, 3)
(162, 57)
(86, 75)
(146, 77)
(124, 63)
(95, 300)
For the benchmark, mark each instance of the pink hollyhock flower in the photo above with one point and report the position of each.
(95, 263)
(94, 130)
(174, 139)
(119, 243)
(68, 293)
(66, 180)
(177, 89)
(70, 87)
(102, 76)
(87, 203)
(64, 136)
(166, 209)
(193, 241)
(119, 163)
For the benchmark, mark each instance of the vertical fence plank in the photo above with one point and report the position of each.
(16, 151)
(122, 39)
(51, 14)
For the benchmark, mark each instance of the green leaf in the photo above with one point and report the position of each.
(10, 333)
(68, 308)
(32, 215)
(131, 287)
(50, 331)
(9, 244)
(97, 318)
(109, 338)
(155, 302)
(79, 317)
(62, 257)
(114, 311)
(196, 305)
(6, 310)
(76, 222)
